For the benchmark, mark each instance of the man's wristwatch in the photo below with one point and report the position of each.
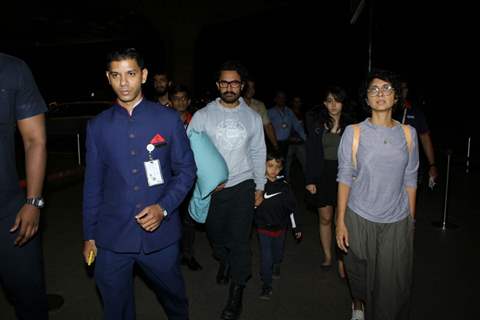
(36, 202)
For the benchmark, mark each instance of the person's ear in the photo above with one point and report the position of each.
(144, 75)
(107, 73)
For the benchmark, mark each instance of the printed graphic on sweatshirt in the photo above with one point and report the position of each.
(231, 134)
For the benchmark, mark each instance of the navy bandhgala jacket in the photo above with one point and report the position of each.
(116, 187)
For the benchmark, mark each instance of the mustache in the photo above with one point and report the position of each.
(228, 92)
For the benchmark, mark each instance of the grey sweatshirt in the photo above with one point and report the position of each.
(238, 135)
(384, 168)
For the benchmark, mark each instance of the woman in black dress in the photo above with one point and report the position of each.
(325, 125)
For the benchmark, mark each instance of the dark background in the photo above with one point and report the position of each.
(297, 46)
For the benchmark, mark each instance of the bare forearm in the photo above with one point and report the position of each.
(412, 199)
(428, 147)
(35, 163)
(342, 200)
(34, 141)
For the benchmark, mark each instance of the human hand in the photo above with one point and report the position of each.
(219, 187)
(89, 246)
(433, 174)
(150, 217)
(26, 222)
(342, 236)
(297, 235)
(311, 188)
(258, 198)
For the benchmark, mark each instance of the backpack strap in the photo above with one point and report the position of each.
(408, 137)
(355, 142)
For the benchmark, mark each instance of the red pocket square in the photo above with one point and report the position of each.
(158, 139)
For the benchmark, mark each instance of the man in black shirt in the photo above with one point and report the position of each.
(413, 116)
(21, 267)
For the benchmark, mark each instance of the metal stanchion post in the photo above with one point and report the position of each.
(444, 224)
(467, 170)
(79, 155)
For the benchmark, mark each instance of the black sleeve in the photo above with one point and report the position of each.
(28, 100)
(291, 204)
(422, 126)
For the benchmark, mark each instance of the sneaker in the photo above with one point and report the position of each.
(357, 314)
(276, 271)
(266, 293)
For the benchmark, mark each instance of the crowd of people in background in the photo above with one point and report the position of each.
(359, 175)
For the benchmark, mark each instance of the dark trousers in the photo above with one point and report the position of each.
(228, 226)
(272, 253)
(114, 278)
(188, 231)
(283, 148)
(379, 265)
(21, 269)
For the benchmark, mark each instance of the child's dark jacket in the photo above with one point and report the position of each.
(278, 203)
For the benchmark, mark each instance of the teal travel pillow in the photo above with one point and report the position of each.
(211, 167)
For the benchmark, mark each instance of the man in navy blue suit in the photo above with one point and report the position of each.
(139, 168)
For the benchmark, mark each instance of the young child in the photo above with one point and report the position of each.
(272, 218)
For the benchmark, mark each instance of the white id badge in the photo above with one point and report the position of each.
(153, 172)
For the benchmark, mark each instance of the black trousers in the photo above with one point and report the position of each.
(21, 269)
(228, 224)
(188, 230)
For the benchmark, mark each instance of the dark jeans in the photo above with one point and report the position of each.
(188, 231)
(21, 269)
(272, 253)
(228, 226)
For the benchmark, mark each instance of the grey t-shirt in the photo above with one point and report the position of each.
(385, 168)
(238, 135)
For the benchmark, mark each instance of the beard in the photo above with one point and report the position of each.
(161, 91)
(229, 97)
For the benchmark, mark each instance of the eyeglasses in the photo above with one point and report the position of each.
(386, 89)
(233, 84)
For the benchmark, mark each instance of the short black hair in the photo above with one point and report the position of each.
(161, 72)
(387, 76)
(176, 88)
(275, 155)
(124, 54)
(234, 65)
